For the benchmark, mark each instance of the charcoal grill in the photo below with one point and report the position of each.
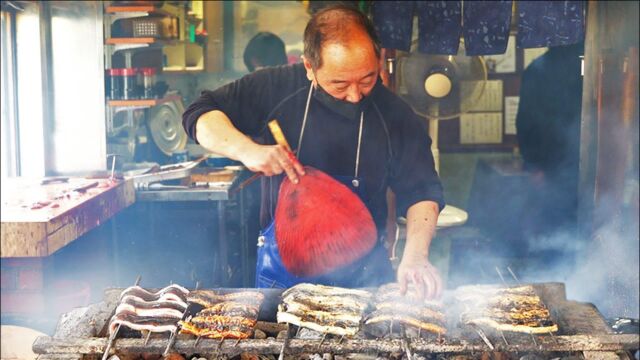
(82, 334)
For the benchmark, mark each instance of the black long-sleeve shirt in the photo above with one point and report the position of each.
(395, 148)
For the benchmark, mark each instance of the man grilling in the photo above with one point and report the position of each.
(339, 118)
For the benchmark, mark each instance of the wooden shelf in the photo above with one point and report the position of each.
(140, 40)
(143, 102)
(138, 8)
(182, 71)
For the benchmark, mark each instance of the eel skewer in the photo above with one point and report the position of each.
(172, 340)
(405, 344)
(115, 333)
(110, 343)
(484, 337)
(146, 339)
(324, 336)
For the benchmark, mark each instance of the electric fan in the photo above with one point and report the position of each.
(441, 87)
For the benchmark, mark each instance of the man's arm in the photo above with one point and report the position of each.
(216, 132)
(415, 266)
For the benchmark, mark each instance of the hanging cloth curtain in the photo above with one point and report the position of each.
(393, 21)
(486, 26)
(439, 26)
(550, 23)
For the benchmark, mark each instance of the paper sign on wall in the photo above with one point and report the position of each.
(481, 128)
(510, 112)
(503, 63)
(491, 99)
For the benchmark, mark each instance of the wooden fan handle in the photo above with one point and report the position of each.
(276, 131)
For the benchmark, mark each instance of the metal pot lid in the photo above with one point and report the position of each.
(165, 127)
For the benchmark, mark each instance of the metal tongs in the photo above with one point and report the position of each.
(143, 180)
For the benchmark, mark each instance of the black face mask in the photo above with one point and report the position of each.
(344, 108)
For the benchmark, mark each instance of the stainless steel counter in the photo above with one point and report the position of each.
(212, 193)
(218, 192)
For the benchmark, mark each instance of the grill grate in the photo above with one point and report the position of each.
(582, 330)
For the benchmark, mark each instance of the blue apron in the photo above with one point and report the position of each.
(371, 270)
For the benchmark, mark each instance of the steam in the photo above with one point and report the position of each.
(604, 273)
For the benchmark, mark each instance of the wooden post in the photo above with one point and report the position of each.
(213, 23)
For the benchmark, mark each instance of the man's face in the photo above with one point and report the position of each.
(349, 71)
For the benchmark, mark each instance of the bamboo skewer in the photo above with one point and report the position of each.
(112, 338)
(172, 340)
(500, 274)
(534, 339)
(321, 341)
(504, 338)
(110, 343)
(514, 275)
(405, 344)
(484, 337)
(146, 339)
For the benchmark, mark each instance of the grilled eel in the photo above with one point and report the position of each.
(149, 312)
(391, 293)
(208, 298)
(171, 292)
(231, 308)
(167, 300)
(378, 322)
(530, 327)
(193, 329)
(341, 319)
(150, 323)
(331, 303)
(329, 328)
(326, 290)
(510, 315)
(219, 326)
(411, 310)
(161, 303)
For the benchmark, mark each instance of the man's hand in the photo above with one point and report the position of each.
(422, 274)
(272, 160)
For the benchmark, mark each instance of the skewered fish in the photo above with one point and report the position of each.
(327, 290)
(149, 312)
(379, 322)
(232, 315)
(208, 298)
(330, 310)
(517, 309)
(410, 313)
(160, 303)
(231, 308)
(335, 328)
(136, 322)
(171, 292)
(391, 293)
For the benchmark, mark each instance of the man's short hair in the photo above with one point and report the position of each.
(332, 24)
(264, 49)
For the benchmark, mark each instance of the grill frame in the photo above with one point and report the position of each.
(81, 333)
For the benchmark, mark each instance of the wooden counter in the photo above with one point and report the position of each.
(38, 219)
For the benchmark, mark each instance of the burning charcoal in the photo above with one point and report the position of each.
(174, 356)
